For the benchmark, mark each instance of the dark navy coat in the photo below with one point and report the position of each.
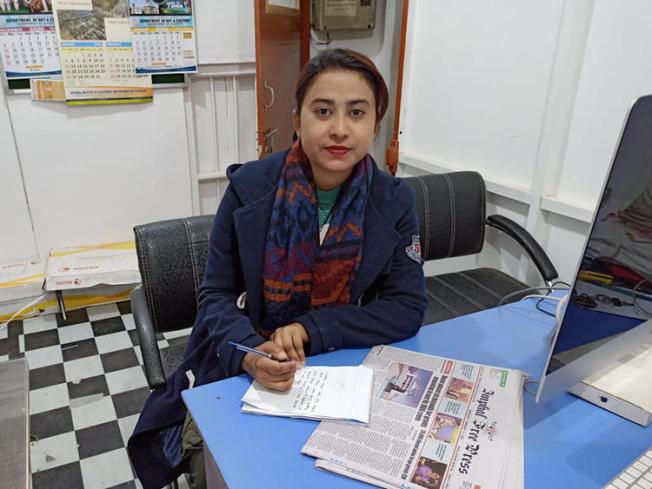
(387, 300)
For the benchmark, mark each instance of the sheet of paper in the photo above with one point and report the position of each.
(348, 472)
(317, 393)
(514, 472)
(50, 90)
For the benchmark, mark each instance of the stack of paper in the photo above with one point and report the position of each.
(21, 284)
(88, 266)
(21, 280)
(338, 393)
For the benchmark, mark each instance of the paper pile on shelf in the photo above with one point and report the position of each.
(435, 422)
(21, 283)
(89, 266)
(95, 296)
(21, 280)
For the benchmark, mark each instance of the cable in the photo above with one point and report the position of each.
(529, 289)
(640, 309)
(19, 160)
(539, 308)
(542, 297)
(318, 43)
(528, 383)
(558, 282)
(33, 303)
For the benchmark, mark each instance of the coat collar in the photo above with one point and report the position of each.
(253, 181)
(255, 184)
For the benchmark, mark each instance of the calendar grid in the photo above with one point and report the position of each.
(164, 44)
(28, 46)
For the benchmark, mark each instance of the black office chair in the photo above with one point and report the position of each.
(451, 208)
(172, 259)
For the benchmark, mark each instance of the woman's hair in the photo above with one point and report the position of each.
(348, 60)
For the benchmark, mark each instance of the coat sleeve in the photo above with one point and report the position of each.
(395, 314)
(220, 289)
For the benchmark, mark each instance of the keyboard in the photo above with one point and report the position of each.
(637, 475)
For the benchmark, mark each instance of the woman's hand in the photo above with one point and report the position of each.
(291, 338)
(276, 373)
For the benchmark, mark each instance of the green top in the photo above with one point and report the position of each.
(325, 202)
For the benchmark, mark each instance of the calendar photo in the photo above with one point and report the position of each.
(160, 7)
(89, 25)
(25, 6)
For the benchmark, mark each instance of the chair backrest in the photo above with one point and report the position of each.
(451, 208)
(172, 259)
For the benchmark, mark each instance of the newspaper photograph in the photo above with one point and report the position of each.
(435, 423)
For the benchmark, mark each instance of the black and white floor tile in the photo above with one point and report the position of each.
(87, 387)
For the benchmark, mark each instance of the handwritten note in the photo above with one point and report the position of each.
(317, 393)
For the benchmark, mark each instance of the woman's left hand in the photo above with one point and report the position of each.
(291, 338)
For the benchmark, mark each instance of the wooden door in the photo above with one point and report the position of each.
(392, 153)
(282, 46)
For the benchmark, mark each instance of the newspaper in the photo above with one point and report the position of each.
(435, 423)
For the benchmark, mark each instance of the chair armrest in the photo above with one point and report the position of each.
(528, 243)
(147, 339)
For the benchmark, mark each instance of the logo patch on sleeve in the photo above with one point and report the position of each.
(414, 250)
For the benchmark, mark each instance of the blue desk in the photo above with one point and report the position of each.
(569, 443)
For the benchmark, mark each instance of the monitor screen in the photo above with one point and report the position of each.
(612, 291)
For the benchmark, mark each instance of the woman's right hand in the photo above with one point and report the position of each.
(276, 373)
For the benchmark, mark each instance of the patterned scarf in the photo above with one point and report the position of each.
(299, 274)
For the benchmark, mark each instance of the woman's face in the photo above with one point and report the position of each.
(336, 125)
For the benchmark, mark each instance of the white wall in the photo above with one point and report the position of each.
(225, 31)
(532, 95)
(16, 238)
(92, 173)
(616, 71)
(484, 70)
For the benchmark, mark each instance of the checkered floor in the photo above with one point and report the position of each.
(87, 386)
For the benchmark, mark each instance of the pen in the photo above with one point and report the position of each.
(246, 349)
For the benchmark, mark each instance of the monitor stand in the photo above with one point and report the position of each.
(624, 386)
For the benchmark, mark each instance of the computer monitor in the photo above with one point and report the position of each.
(607, 314)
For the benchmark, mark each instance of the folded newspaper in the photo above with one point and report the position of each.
(342, 393)
(435, 423)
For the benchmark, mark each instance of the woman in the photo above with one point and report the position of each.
(312, 249)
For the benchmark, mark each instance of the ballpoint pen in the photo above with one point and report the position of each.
(246, 349)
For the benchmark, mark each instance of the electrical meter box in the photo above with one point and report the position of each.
(343, 15)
